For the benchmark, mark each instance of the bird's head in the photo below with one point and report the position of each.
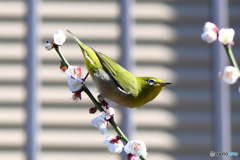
(149, 88)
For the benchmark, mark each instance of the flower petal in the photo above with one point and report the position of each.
(226, 35)
(74, 71)
(229, 75)
(75, 84)
(59, 37)
(209, 36)
(210, 26)
(100, 123)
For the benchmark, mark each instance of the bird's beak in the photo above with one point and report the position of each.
(165, 83)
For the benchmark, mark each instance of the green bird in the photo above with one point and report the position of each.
(115, 82)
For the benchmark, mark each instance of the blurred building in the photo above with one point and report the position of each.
(177, 125)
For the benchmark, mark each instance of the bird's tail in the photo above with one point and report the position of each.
(82, 46)
(89, 54)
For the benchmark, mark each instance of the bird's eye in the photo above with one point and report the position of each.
(151, 81)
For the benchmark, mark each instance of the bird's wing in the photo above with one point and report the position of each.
(125, 80)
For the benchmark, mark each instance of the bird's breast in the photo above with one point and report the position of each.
(101, 75)
(109, 88)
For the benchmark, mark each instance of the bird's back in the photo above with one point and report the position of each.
(115, 82)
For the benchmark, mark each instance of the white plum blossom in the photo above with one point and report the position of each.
(114, 144)
(100, 123)
(136, 147)
(108, 113)
(226, 35)
(75, 84)
(59, 37)
(229, 74)
(74, 79)
(210, 32)
(74, 71)
(48, 46)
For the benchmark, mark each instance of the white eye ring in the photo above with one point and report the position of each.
(151, 81)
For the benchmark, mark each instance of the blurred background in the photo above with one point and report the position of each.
(177, 125)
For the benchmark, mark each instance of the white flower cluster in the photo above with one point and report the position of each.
(101, 122)
(133, 148)
(58, 39)
(225, 35)
(211, 34)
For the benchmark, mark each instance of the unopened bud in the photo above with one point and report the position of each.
(92, 110)
(48, 45)
(63, 68)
